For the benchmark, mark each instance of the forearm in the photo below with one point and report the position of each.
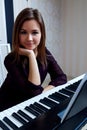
(34, 75)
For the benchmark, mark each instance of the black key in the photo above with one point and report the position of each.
(36, 108)
(70, 90)
(19, 118)
(62, 95)
(31, 111)
(74, 86)
(48, 102)
(41, 107)
(10, 123)
(57, 96)
(3, 126)
(67, 92)
(24, 115)
(78, 82)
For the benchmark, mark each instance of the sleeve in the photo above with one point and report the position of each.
(20, 79)
(56, 73)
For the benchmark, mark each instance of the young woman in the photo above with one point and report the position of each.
(29, 62)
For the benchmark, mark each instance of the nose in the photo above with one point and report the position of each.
(29, 37)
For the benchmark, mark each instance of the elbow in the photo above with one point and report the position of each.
(64, 79)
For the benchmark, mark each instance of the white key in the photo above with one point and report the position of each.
(16, 122)
(7, 125)
(28, 113)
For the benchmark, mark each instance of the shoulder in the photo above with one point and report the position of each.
(48, 53)
(49, 56)
(9, 58)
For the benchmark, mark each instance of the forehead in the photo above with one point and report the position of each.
(30, 24)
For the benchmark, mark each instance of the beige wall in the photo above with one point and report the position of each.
(74, 36)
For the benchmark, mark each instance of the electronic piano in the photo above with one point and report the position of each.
(40, 112)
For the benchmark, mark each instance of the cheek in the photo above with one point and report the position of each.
(38, 39)
(21, 39)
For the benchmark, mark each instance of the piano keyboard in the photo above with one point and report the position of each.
(23, 113)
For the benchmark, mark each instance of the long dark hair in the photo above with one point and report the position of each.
(28, 14)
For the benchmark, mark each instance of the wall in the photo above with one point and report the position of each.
(74, 36)
(3, 37)
(18, 5)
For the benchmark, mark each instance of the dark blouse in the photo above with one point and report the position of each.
(16, 87)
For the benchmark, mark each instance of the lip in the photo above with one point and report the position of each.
(28, 44)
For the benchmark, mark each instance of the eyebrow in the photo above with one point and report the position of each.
(22, 29)
(26, 30)
(32, 29)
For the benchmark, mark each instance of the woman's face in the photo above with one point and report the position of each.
(30, 34)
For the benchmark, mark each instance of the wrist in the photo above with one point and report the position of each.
(31, 54)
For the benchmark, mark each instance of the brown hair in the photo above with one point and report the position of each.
(28, 14)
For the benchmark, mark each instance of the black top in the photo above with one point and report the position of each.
(16, 87)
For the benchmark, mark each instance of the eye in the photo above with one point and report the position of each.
(23, 32)
(35, 32)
